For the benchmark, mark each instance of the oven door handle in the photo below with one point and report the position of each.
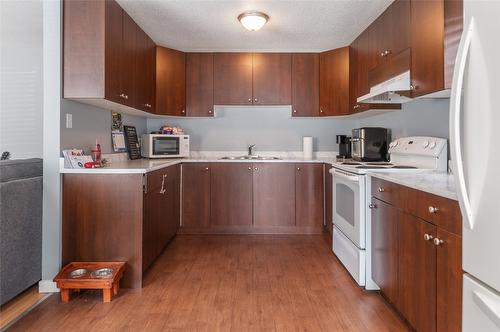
(342, 175)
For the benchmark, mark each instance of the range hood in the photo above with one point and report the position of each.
(392, 91)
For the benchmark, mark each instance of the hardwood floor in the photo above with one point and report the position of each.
(19, 305)
(230, 283)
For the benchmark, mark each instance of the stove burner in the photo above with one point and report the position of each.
(350, 163)
(370, 167)
(379, 163)
(404, 167)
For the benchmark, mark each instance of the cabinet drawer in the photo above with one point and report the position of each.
(440, 211)
(388, 192)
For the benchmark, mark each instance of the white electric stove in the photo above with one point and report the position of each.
(351, 197)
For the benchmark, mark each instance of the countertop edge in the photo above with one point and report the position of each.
(407, 183)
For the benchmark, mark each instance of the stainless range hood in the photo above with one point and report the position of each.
(392, 91)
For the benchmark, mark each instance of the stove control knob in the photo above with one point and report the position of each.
(425, 144)
(432, 145)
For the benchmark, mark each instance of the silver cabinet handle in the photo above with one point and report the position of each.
(298, 168)
(163, 190)
(433, 209)
(294, 111)
(249, 100)
(206, 168)
(372, 206)
(321, 110)
(428, 237)
(438, 242)
(183, 111)
(147, 105)
(381, 190)
(355, 107)
(256, 168)
(413, 87)
(255, 100)
(210, 111)
(249, 168)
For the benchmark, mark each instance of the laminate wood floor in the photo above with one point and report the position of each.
(230, 283)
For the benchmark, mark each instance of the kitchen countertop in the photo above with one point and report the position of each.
(437, 183)
(121, 165)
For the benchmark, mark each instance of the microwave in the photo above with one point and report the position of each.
(164, 146)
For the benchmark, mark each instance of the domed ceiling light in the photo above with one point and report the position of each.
(253, 20)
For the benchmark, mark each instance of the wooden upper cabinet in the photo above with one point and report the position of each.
(196, 195)
(104, 57)
(305, 84)
(309, 200)
(231, 194)
(334, 82)
(385, 248)
(272, 78)
(233, 79)
(170, 82)
(435, 33)
(145, 64)
(200, 84)
(274, 194)
(113, 39)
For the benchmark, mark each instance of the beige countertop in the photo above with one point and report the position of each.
(121, 165)
(437, 183)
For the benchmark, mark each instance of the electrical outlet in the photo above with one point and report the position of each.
(69, 120)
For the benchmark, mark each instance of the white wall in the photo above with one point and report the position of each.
(21, 92)
(422, 117)
(270, 128)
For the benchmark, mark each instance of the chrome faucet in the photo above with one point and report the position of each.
(250, 149)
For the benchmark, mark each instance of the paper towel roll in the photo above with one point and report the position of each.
(307, 147)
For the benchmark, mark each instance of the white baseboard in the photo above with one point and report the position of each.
(47, 286)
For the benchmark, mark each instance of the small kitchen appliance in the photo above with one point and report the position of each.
(344, 143)
(165, 146)
(369, 144)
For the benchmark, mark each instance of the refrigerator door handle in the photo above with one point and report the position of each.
(455, 125)
(490, 307)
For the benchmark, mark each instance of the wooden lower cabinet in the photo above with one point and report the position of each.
(309, 200)
(417, 273)
(231, 194)
(120, 217)
(416, 262)
(384, 244)
(196, 195)
(161, 212)
(274, 194)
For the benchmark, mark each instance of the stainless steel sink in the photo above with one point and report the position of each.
(251, 158)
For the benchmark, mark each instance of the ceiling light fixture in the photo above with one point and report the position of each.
(253, 20)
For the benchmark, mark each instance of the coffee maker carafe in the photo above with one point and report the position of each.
(344, 143)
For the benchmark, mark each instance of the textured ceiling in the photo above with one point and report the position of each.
(212, 25)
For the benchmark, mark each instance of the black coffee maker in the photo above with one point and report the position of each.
(344, 143)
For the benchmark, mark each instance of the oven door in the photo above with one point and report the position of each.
(165, 145)
(348, 204)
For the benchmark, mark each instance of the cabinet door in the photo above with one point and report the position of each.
(399, 29)
(272, 78)
(233, 79)
(449, 281)
(113, 52)
(171, 207)
(231, 194)
(417, 273)
(305, 84)
(170, 82)
(129, 55)
(334, 82)
(328, 198)
(427, 47)
(309, 202)
(384, 238)
(274, 194)
(145, 72)
(381, 37)
(196, 195)
(200, 84)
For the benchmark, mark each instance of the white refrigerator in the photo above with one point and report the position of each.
(475, 155)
